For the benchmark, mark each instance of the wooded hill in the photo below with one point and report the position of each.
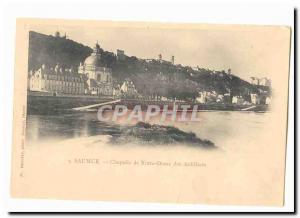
(151, 78)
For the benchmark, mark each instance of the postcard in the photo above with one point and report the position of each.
(150, 112)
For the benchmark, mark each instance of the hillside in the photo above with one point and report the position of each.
(152, 78)
(50, 50)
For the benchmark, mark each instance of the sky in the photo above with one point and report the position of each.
(247, 50)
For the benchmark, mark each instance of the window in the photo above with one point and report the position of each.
(98, 77)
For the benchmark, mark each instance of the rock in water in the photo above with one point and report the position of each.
(145, 133)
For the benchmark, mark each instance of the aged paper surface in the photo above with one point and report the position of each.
(215, 132)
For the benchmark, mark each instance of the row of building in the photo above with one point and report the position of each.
(213, 97)
(56, 80)
(261, 81)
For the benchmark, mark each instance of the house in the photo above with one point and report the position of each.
(255, 99)
(201, 97)
(220, 99)
(237, 100)
(268, 100)
(128, 89)
(254, 81)
(265, 82)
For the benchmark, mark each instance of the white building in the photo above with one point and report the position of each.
(57, 80)
(268, 100)
(99, 77)
(262, 82)
(254, 81)
(237, 100)
(201, 97)
(128, 89)
(255, 99)
(265, 82)
(220, 98)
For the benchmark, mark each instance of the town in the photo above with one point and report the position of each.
(93, 78)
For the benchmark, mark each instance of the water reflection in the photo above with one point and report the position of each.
(222, 128)
(65, 126)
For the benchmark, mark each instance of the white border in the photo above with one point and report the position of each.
(231, 12)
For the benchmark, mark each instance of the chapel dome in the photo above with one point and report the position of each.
(94, 59)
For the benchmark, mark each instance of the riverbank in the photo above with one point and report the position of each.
(42, 103)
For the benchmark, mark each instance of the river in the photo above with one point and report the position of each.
(246, 160)
(224, 129)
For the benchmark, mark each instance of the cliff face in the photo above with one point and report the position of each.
(152, 78)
